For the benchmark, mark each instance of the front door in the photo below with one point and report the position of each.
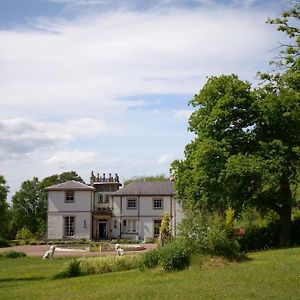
(102, 229)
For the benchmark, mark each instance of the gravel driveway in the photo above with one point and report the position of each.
(39, 250)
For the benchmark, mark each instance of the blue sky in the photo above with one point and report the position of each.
(104, 85)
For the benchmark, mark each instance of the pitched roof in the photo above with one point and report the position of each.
(136, 188)
(70, 185)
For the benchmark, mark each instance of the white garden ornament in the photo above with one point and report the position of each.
(49, 254)
(119, 250)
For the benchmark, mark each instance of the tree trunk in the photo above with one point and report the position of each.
(285, 222)
(285, 213)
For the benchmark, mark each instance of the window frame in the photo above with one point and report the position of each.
(69, 227)
(156, 221)
(69, 196)
(154, 200)
(129, 200)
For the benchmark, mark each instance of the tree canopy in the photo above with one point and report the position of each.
(160, 177)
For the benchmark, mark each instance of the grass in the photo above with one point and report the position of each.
(271, 274)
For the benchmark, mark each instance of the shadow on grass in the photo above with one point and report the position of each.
(22, 279)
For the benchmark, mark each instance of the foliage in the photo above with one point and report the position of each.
(160, 177)
(165, 234)
(30, 206)
(208, 234)
(24, 234)
(13, 254)
(3, 207)
(100, 265)
(71, 269)
(174, 256)
(150, 259)
(60, 178)
(4, 243)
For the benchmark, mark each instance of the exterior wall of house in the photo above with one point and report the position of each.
(80, 209)
(144, 215)
(82, 201)
(82, 229)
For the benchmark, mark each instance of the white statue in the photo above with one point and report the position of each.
(119, 250)
(49, 254)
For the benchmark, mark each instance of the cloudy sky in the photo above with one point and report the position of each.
(104, 85)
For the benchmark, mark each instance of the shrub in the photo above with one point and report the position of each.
(208, 234)
(174, 256)
(4, 243)
(13, 254)
(99, 265)
(150, 259)
(24, 234)
(71, 269)
(165, 234)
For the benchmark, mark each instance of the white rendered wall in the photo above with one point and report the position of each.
(82, 201)
(82, 225)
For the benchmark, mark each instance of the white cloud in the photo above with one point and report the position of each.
(20, 136)
(166, 159)
(183, 114)
(71, 159)
(88, 64)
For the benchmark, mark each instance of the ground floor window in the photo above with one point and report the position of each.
(69, 226)
(156, 227)
(129, 226)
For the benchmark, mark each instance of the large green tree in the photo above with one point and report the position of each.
(60, 178)
(160, 177)
(3, 207)
(246, 148)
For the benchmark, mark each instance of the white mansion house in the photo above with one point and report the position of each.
(102, 210)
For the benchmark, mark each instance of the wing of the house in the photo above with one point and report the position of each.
(69, 210)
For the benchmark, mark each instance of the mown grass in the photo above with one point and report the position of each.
(268, 275)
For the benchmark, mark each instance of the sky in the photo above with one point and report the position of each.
(104, 85)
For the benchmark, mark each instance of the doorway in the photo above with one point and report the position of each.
(102, 230)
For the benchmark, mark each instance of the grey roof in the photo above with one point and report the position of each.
(70, 185)
(136, 188)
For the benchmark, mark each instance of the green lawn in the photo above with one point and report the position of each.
(269, 275)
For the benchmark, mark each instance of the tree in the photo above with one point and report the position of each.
(3, 207)
(165, 234)
(30, 206)
(60, 178)
(160, 177)
(246, 151)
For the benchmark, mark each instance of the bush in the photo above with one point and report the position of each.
(13, 254)
(208, 234)
(71, 269)
(24, 234)
(4, 243)
(150, 259)
(174, 257)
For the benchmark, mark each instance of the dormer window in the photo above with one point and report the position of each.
(69, 197)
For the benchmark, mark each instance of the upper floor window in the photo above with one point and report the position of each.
(131, 203)
(106, 199)
(69, 197)
(157, 203)
(100, 198)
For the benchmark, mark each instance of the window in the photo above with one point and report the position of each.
(129, 226)
(156, 227)
(131, 203)
(106, 199)
(69, 197)
(100, 198)
(69, 226)
(157, 203)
